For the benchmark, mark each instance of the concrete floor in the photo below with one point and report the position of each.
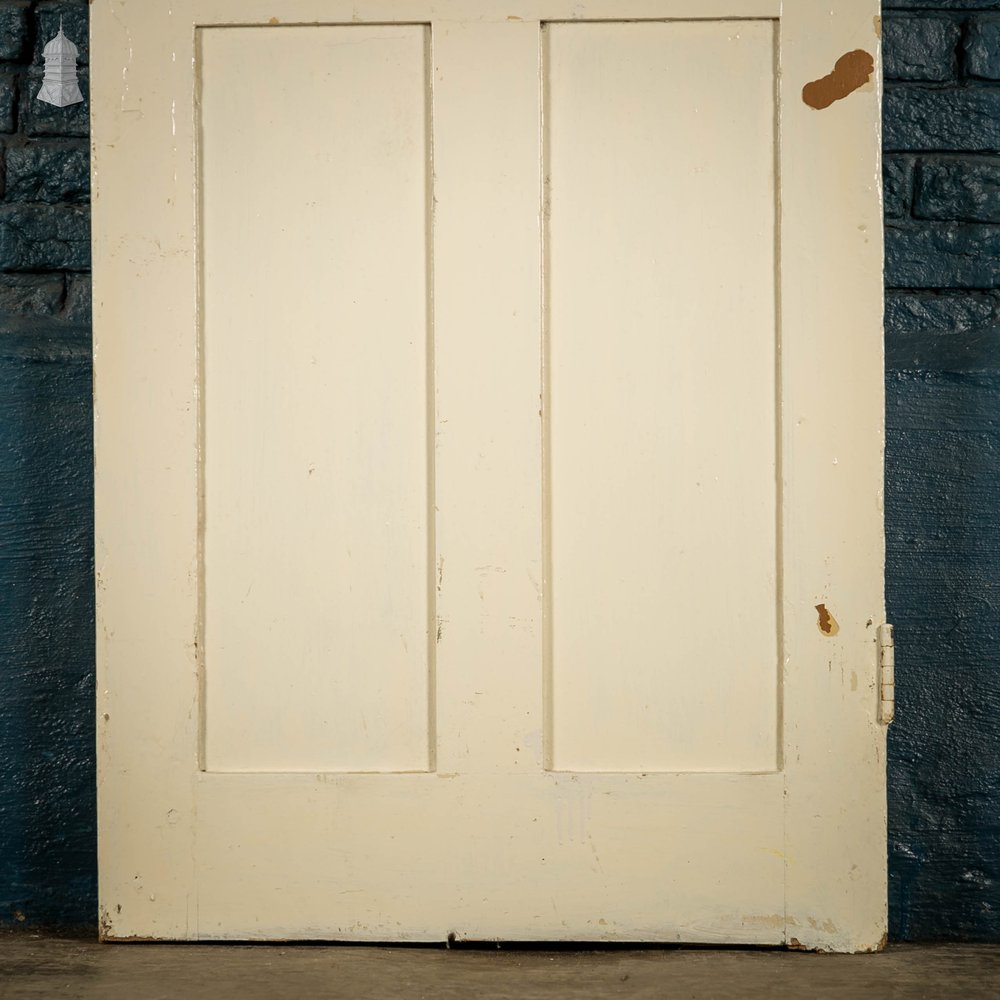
(33, 966)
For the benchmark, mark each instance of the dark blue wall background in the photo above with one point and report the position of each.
(47, 799)
(942, 134)
(942, 200)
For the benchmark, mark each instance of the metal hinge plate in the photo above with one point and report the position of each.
(886, 675)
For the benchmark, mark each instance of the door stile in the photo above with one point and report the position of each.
(832, 448)
(146, 507)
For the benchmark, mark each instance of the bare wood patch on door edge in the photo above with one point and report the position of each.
(851, 71)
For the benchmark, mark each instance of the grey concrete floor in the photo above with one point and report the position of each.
(34, 966)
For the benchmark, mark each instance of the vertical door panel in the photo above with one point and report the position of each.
(662, 465)
(314, 180)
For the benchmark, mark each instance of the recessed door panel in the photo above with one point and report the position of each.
(314, 451)
(661, 391)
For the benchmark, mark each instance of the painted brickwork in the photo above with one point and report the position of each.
(942, 202)
(47, 799)
(942, 134)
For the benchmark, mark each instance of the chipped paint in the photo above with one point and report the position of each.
(851, 71)
(826, 622)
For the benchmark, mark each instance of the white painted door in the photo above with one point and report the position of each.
(489, 441)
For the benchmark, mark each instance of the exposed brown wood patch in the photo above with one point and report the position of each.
(827, 623)
(852, 70)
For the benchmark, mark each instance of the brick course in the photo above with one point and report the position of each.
(982, 48)
(920, 48)
(920, 117)
(44, 174)
(49, 172)
(13, 30)
(941, 121)
(960, 188)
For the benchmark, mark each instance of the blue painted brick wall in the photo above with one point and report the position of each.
(942, 134)
(942, 201)
(47, 780)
